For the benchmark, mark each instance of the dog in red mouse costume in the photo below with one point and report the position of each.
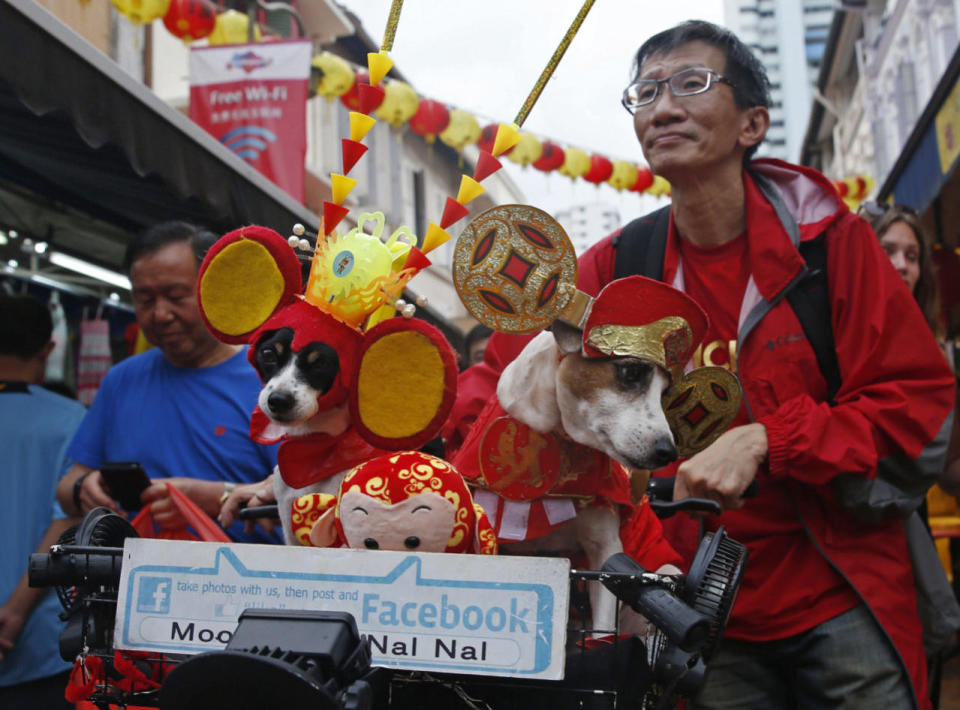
(341, 384)
(406, 501)
(562, 454)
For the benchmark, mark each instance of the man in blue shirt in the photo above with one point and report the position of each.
(181, 409)
(35, 428)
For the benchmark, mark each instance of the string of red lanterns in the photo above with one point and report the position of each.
(855, 188)
(398, 103)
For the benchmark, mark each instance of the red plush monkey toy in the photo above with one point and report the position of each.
(407, 501)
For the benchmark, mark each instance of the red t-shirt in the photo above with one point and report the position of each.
(788, 587)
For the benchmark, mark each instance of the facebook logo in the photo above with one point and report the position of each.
(154, 595)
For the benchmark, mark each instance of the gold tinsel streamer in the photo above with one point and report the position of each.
(391, 30)
(552, 64)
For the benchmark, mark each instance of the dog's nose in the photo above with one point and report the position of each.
(280, 401)
(664, 451)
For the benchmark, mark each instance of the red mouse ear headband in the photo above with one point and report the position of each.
(248, 275)
(399, 375)
(515, 270)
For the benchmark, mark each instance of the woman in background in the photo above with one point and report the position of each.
(902, 237)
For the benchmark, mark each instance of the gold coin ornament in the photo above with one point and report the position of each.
(700, 406)
(515, 269)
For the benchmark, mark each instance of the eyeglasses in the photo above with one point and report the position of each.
(684, 83)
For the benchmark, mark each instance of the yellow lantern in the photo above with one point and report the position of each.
(138, 11)
(232, 27)
(624, 175)
(528, 149)
(462, 130)
(660, 186)
(575, 163)
(336, 76)
(400, 102)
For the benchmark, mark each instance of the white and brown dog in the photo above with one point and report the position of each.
(579, 409)
(334, 394)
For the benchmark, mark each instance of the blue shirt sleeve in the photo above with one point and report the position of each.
(90, 442)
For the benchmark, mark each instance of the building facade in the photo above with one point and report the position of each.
(587, 224)
(400, 175)
(889, 108)
(789, 37)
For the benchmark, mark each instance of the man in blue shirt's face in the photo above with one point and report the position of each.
(165, 304)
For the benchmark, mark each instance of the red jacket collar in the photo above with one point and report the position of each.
(774, 260)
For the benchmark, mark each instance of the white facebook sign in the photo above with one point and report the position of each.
(476, 614)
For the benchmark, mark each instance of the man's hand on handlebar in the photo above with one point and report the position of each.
(724, 470)
(249, 495)
(634, 623)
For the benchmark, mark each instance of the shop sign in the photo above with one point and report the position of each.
(478, 614)
(948, 130)
(253, 99)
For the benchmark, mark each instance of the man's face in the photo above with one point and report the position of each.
(477, 348)
(165, 304)
(681, 134)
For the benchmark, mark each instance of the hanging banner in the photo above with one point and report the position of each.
(253, 99)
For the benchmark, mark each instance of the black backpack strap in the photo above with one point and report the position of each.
(810, 300)
(641, 246)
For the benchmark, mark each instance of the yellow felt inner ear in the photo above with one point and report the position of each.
(240, 288)
(400, 385)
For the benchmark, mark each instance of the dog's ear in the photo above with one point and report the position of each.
(405, 384)
(527, 388)
(569, 337)
(247, 276)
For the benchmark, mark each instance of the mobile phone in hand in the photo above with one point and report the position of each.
(126, 481)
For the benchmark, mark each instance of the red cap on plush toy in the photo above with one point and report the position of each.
(401, 501)
(644, 318)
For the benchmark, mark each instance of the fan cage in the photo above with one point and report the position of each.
(101, 528)
(716, 588)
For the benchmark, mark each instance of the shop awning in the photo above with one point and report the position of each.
(89, 155)
(932, 151)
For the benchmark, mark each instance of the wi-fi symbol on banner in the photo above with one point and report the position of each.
(248, 141)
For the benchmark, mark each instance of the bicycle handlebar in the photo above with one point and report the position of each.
(67, 565)
(660, 493)
(259, 511)
(659, 490)
(624, 577)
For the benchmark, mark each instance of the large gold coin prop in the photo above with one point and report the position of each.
(515, 269)
(700, 406)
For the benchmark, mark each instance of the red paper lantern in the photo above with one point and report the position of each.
(600, 169)
(644, 179)
(487, 137)
(861, 187)
(430, 119)
(351, 99)
(190, 19)
(551, 158)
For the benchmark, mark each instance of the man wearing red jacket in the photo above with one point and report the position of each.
(827, 614)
